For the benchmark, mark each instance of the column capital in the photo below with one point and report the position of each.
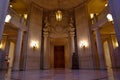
(20, 30)
(45, 29)
(45, 34)
(72, 34)
(96, 28)
(71, 29)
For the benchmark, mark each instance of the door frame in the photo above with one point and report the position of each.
(61, 54)
(65, 43)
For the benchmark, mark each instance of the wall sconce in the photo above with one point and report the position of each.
(11, 5)
(106, 4)
(83, 44)
(25, 16)
(92, 15)
(34, 45)
(116, 44)
(109, 17)
(7, 18)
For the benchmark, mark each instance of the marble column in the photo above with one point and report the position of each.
(46, 60)
(115, 10)
(7, 46)
(74, 57)
(18, 50)
(3, 11)
(72, 44)
(24, 50)
(112, 56)
(72, 34)
(100, 49)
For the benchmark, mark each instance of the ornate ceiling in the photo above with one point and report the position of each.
(21, 6)
(94, 6)
(53, 4)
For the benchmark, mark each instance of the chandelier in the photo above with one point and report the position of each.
(58, 15)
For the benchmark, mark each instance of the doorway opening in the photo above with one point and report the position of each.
(59, 57)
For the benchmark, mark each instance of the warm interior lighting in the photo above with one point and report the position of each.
(8, 18)
(116, 44)
(11, 5)
(83, 44)
(91, 15)
(34, 44)
(106, 4)
(25, 16)
(58, 15)
(1, 46)
(109, 17)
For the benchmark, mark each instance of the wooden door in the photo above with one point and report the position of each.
(59, 57)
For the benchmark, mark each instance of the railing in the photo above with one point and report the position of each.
(16, 19)
(100, 19)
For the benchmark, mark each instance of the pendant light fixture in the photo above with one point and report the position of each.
(58, 13)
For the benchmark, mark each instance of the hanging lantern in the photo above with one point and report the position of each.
(58, 15)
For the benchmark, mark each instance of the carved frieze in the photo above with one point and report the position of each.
(60, 29)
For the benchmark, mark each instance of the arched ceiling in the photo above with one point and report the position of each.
(55, 4)
(21, 6)
(94, 6)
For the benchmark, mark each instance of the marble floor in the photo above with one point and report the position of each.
(61, 75)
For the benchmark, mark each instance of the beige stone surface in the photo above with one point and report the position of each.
(35, 32)
(83, 34)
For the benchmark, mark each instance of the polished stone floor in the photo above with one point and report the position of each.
(61, 75)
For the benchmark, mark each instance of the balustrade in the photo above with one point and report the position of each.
(16, 19)
(101, 18)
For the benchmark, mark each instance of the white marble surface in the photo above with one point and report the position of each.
(62, 75)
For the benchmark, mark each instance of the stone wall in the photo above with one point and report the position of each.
(83, 34)
(34, 34)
